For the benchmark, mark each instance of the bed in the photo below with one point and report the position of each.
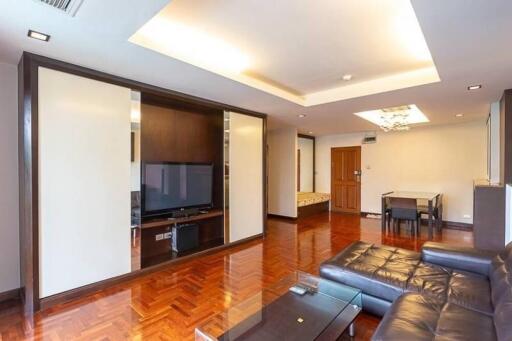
(309, 203)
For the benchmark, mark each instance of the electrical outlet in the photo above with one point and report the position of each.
(167, 235)
(159, 237)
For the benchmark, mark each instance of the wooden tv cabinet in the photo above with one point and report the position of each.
(156, 250)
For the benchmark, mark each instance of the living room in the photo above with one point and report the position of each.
(232, 170)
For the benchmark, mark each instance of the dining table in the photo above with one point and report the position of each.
(429, 197)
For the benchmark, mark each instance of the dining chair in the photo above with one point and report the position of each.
(387, 210)
(437, 211)
(405, 209)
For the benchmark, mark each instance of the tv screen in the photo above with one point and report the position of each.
(172, 186)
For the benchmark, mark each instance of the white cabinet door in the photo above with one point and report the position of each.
(84, 181)
(245, 176)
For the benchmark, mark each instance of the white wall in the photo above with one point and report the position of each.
(306, 164)
(245, 176)
(282, 172)
(494, 143)
(445, 159)
(9, 232)
(84, 181)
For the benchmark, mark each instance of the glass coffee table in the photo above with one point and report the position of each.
(324, 312)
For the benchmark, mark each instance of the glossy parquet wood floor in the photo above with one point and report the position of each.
(168, 304)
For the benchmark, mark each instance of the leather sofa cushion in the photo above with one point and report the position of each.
(465, 289)
(501, 283)
(379, 271)
(387, 272)
(418, 317)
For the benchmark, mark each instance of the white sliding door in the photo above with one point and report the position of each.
(84, 181)
(245, 176)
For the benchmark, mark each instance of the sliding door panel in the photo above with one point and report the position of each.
(84, 181)
(245, 176)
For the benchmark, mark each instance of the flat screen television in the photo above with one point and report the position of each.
(171, 186)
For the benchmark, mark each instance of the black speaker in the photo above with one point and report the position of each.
(185, 237)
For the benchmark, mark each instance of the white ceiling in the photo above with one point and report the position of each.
(467, 40)
(294, 50)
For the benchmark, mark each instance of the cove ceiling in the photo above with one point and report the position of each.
(294, 53)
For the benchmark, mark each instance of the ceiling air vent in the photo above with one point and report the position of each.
(370, 138)
(67, 6)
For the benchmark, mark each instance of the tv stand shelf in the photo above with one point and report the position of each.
(182, 220)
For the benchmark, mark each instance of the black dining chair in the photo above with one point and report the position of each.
(437, 211)
(405, 209)
(387, 209)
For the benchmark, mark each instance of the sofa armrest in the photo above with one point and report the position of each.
(461, 258)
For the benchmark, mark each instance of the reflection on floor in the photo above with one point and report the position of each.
(168, 304)
(135, 248)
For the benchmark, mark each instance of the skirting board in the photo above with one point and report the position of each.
(449, 225)
(13, 294)
(271, 215)
(69, 295)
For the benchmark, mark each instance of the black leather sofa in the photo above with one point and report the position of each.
(442, 293)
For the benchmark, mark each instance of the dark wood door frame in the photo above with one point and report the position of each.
(298, 170)
(348, 180)
(28, 159)
(314, 151)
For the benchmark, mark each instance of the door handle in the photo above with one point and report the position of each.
(357, 173)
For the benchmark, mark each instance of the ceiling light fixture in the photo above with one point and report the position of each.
(38, 35)
(302, 115)
(310, 132)
(475, 87)
(459, 115)
(395, 118)
(347, 77)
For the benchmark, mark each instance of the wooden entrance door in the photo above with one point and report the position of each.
(346, 179)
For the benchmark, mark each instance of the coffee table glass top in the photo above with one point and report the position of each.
(276, 313)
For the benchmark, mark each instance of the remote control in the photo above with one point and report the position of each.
(298, 290)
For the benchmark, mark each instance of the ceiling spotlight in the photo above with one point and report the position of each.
(459, 115)
(310, 132)
(347, 77)
(302, 115)
(38, 35)
(475, 87)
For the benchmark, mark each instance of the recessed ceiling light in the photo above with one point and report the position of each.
(475, 87)
(302, 115)
(347, 77)
(310, 132)
(38, 35)
(459, 115)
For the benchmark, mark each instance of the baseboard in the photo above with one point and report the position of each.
(454, 225)
(449, 225)
(13, 294)
(271, 215)
(73, 294)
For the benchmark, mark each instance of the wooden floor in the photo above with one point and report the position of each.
(168, 304)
